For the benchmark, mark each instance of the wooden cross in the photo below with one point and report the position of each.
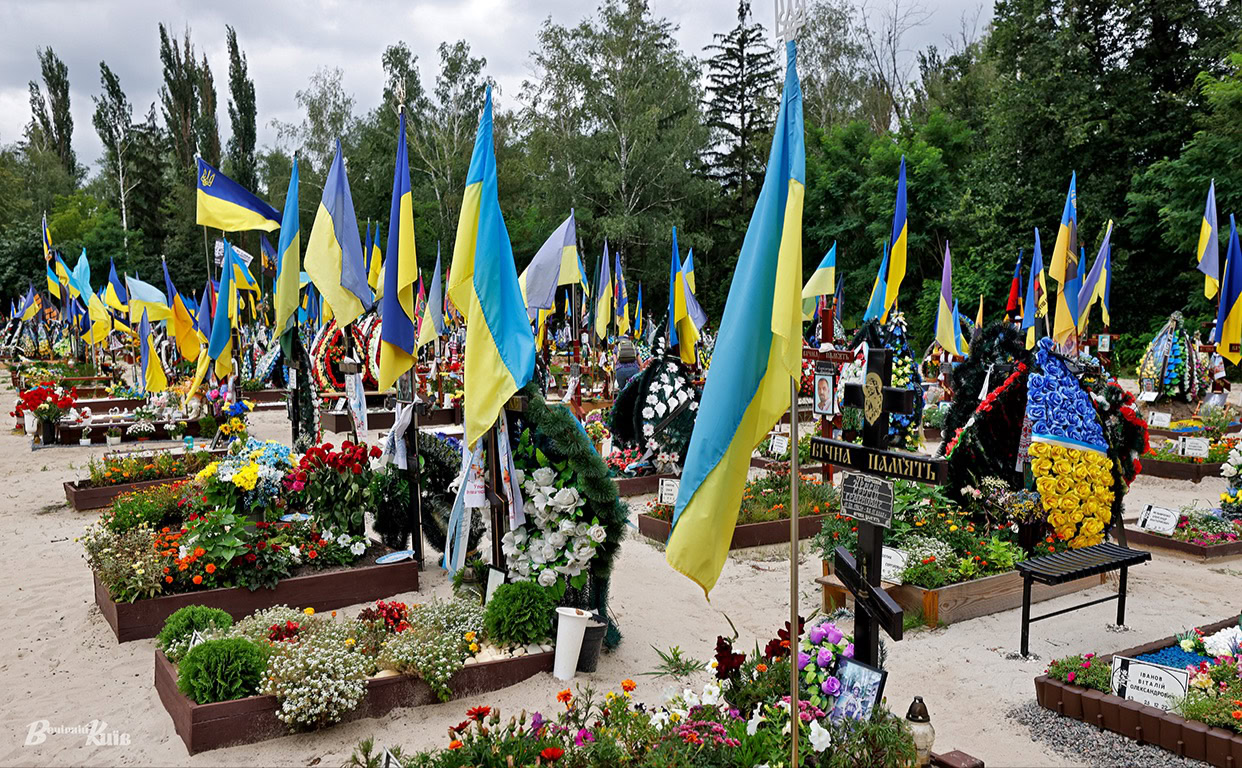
(874, 608)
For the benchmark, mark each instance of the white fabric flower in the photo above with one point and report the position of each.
(557, 540)
(821, 738)
(547, 577)
(752, 725)
(544, 476)
(567, 498)
(343, 540)
(648, 413)
(597, 533)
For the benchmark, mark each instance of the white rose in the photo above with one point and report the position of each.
(547, 577)
(544, 476)
(597, 533)
(581, 529)
(557, 540)
(567, 527)
(566, 498)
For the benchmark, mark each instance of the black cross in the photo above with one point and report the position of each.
(874, 608)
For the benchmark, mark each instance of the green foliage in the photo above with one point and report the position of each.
(676, 664)
(184, 622)
(207, 426)
(153, 507)
(223, 669)
(1087, 671)
(519, 613)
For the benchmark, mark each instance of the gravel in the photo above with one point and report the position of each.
(1093, 746)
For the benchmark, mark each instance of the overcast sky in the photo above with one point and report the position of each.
(286, 41)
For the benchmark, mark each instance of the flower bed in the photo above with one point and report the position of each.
(1179, 470)
(312, 672)
(70, 434)
(1191, 738)
(641, 485)
(82, 496)
(1200, 534)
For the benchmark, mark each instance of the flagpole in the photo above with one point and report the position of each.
(794, 635)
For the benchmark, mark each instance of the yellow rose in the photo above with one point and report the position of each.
(1038, 449)
(1063, 467)
(1063, 485)
(1041, 466)
(1047, 488)
(1076, 516)
(1105, 514)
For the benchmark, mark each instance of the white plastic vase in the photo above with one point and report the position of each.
(571, 624)
(32, 424)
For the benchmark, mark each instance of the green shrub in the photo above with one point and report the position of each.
(156, 506)
(207, 426)
(181, 626)
(224, 669)
(519, 613)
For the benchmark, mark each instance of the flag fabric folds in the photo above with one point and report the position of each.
(334, 251)
(1096, 283)
(822, 282)
(687, 269)
(46, 237)
(879, 289)
(53, 283)
(181, 321)
(1208, 250)
(500, 346)
(398, 333)
(603, 300)
(375, 266)
(144, 297)
(220, 348)
(288, 268)
(1229, 313)
(638, 314)
(758, 355)
(114, 294)
(1015, 288)
(960, 345)
(431, 325)
(151, 370)
(556, 263)
(897, 253)
(623, 300)
(228, 206)
(947, 330)
(1064, 265)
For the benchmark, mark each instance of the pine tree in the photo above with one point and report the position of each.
(742, 80)
(51, 125)
(206, 126)
(242, 119)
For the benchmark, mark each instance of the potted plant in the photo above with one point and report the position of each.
(85, 439)
(142, 429)
(177, 430)
(113, 436)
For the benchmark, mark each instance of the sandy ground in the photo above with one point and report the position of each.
(60, 662)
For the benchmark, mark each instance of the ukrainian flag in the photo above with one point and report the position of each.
(500, 347)
(53, 284)
(181, 321)
(1094, 284)
(1208, 252)
(682, 333)
(398, 333)
(603, 303)
(556, 263)
(46, 236)
(687, 269)
(1033, 297)
(375, 267)
(897, 254)
(150, 371)
(334, 251)
(220, 347)
(638, 313)
(146, 298)
(879, 289)
(64, 276)
(1229, 314)
(431, 325)
(759, 353)
(226, 205)
(1064, 266)
(623, 301)
(30, 305)
(959, 344)
(114, 294)
(948, 332)
(822, 282)
(288, 268)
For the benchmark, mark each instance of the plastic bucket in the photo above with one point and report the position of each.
(571, 624)
(592, 645)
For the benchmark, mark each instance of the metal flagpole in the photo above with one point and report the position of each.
(794, 635)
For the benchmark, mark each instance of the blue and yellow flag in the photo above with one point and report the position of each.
(948, 331)
(334, 251)
(623, 300)
(181, 323)
(202, 318)
(431, 325)
(226, 205)
(1095, 284)
(959, 344)
(1208, 251)
(30, 305)
(220, 346)
(603, 301)
(53, 284)
(375, 267)
(758, 355)
(879, 289)
(1064, 265)
(288, 268)
(1229, 314)
(150, 370)
(46, 236)
(687, 269)
(398, 333)
(556, 263)
(146, 298)
(500, 347)
(638, 313)
(897, 254)
(823, 282)
(114, 294)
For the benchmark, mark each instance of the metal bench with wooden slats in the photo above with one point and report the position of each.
(1075, 564)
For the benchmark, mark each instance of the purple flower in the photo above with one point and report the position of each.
(824, 658)
(849, 651)
(831, 686)
(817, 634)
(536, 722)
(803, 660)
(584, 736)
(832, 634)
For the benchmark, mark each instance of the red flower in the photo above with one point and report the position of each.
(478, 713)
(376, 452)
(552, 754)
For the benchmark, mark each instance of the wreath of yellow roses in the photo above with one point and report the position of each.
(1075, 487)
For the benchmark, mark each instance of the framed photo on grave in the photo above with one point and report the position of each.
(862, 685)
(824, 395)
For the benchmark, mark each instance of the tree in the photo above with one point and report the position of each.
(329, 115)
(51, 125)
(114, 123)
(242, 116)
(179, 99)
(884, 40)
(206, 125)
(830, 64)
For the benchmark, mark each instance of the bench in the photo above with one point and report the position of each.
(1075, 564)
